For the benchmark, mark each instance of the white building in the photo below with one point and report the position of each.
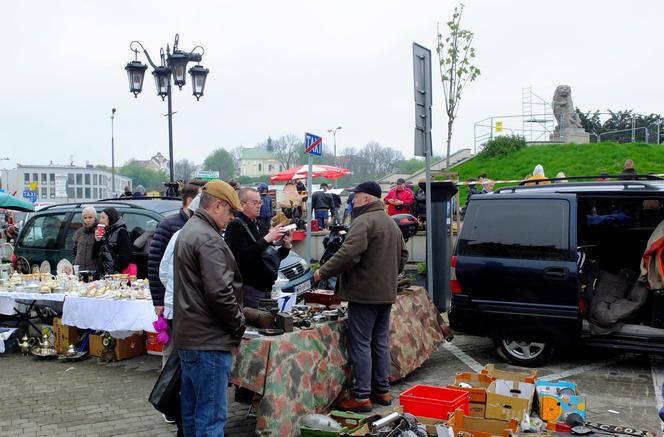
(258, 161)
(62, 183)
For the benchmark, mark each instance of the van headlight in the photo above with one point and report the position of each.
(281, 276)
(304, 264)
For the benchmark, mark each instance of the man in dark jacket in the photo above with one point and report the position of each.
(368, 263)
(160, 239)
(322, 203)
(208, 323)
(267, 210)
(247, 248)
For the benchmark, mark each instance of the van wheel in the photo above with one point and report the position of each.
(524, 353)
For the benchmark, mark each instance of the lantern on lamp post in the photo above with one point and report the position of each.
(173, 65)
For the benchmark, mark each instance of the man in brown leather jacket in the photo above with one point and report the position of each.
(207, 315)
(368, 263)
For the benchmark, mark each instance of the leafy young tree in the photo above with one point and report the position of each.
(222, 161)
(152, 180)
(455, 53)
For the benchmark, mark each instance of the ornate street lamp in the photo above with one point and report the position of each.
(135, 72)
(172, 65)
(198, 75)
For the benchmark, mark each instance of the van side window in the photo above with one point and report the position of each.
(523, 228)
(42, 232)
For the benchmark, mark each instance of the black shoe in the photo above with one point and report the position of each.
(168, 419)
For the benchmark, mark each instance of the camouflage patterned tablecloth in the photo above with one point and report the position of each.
(305, 371)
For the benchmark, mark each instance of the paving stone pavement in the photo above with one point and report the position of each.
(51, 398)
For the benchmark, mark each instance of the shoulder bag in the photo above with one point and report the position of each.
(269, 257)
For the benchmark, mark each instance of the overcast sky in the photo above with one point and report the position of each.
(296, 66)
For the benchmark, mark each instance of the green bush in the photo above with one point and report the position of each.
(503, 146)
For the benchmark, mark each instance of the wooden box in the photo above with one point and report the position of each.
(129, 347)
(64, 335)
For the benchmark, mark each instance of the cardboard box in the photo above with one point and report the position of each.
(477, 409)
(64, 335)
(491, 371)
(129, 347)
(507, 399)
(479, 427)
(555, 400)
(479, 382)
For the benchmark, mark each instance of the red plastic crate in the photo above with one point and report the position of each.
(434, 402)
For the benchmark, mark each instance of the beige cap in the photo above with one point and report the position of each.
(221, 190)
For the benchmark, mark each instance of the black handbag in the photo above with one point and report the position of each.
(269, 257)
(165, 395)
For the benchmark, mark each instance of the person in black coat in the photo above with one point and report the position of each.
(257, 281)
(160, 239)
(115, 244)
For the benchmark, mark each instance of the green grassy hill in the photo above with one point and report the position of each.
(572, 159)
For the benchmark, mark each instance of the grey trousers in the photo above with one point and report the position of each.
(369, 347)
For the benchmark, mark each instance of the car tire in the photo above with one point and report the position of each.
(524, 353)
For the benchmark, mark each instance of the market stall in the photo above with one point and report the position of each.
(305, 371)
(113, 315)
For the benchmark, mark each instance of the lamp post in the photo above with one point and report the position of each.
(112, 153)
(172, 64)
(334, 134)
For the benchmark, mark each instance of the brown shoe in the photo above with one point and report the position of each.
(355, 405)
(382, 398)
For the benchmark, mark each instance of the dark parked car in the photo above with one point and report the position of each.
(48, 234)
(520, 268)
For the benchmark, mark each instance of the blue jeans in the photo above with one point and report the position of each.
(321, 217)
(204, 382)
(369, 347)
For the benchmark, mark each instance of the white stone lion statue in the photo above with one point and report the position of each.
(563, 108)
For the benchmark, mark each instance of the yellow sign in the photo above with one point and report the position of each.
(33, 186)
(499, 126)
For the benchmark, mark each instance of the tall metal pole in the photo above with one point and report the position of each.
(334, 134)
(112, 153)
(170, 132)
(310, 213)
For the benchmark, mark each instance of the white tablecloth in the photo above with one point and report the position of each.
(109, 314)
(4, 336)
(8, 299)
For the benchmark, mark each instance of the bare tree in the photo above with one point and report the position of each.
(286, 149)
(455, 52)
(183, 169)
(236, 154)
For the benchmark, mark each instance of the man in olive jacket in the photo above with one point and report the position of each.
(208, 322)
(369, 261)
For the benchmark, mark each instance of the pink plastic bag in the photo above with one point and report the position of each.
(161, 326)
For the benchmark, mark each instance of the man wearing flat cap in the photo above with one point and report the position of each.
(208, 320)
(368, 263)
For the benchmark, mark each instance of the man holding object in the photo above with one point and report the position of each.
(369, 261)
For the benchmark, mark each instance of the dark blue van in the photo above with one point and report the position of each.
(519, 275)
